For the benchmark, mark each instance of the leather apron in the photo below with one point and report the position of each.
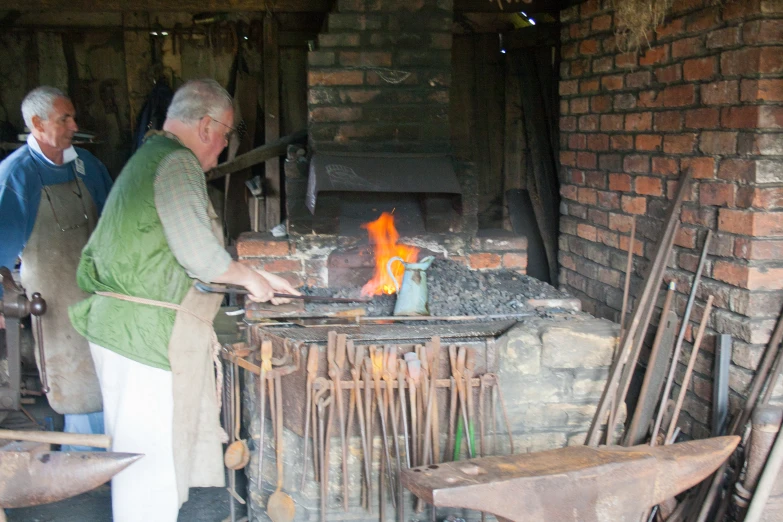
(66, 217)
(198, 437)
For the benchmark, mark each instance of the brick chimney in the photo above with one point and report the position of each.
(379, 80)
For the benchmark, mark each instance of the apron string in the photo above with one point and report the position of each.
(215, 342)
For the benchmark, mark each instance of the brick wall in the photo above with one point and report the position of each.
(707, 95)
(380, 78)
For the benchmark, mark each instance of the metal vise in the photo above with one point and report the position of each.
(15, 306)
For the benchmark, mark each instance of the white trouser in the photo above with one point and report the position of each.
(138, 413)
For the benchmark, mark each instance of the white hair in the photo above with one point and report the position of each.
(40, 102)
(199, 98)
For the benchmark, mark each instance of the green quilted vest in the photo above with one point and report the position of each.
(128, 254)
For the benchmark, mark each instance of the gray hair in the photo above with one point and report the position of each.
(39, 102)
(199, 98)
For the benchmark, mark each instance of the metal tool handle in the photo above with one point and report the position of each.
(37, 309)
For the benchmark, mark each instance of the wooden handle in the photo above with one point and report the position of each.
(56, 437)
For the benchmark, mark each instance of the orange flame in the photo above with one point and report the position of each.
(384, 237)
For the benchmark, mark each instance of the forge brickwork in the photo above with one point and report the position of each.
(379, 80)
(708, 95)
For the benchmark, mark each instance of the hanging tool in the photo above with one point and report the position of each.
(331, 351)
(368, 417)
(504, 411)
(414, 374)
(389, 368)
(458, 376)
(452, 413)
(424, 398)
(402, 371)
(470, 365)
(355, 357)
(433, 356)
(573, 483)
(280, 507)
(321, 404)
(266, 365)
(312, 373)
(376, 356)
(336, 372)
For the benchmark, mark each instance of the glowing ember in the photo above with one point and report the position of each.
(383, 237)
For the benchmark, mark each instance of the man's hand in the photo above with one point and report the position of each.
(279, 285)
(261, 285)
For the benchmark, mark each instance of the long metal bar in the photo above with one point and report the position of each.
(661, 256)
(720, 385)
(680, 337)
(688, 371)
(628, 268)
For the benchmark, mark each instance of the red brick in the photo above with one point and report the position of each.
(588, 47)
(484, 260)
(727, 37)
(586, 231)
(769, 198)
(620, 222)
(612, 83)
(654, 55)
(568, 192)
(622, 142)
(620, 182)
(666, 166)
(640, 121)
(770, 117)
(670, 28)
(608, 200)
(670, 74)
(569, 87)
(702, 20)
(568, 158)
(611, 122)
(720, 93)
(751, 223)
(629, 60)
(770, 60)
(579, 67)
(588, 123)
(283, 265)
(685, 237)
(637, 79)
(588, 85)
(679, 96)
(602, 23)
(577, 141)
(731, 273)
(762, 90)
(335, 77)
(329, 114)
(580, 105)
(718, 194)
(365, 59)
(668, 121)
(586, 160)
(679, 143)
(746, 117)
(638, 246)
(687, 47)
(648, 186)
(758, 249)
(512, 260)
(637, 164)
(650, 99)
(703, 167)
(587, 196)
(713, 142)
(251, 245)
(648, 142)
(740, 170)
(633, 205)
(578, 177)
(700, 68)
(702, 119)
(598, 142)
(568, 124)
(762, 31)
(601, 103)
(607, 238)
(603, 64)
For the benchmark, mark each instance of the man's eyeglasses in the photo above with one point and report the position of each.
(231, 132)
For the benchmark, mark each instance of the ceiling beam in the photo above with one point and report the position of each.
(281, 6)
(192, 6)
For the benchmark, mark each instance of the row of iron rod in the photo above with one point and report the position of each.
(416, 439)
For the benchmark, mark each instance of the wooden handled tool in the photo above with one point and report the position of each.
(377, 370)
(339, 363)
(54, 437)
(240, 290)
(312, 372)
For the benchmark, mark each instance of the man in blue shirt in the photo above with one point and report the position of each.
(51, 194)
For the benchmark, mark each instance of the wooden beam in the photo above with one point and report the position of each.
(257, 155)
(196, 6)
(273, 187)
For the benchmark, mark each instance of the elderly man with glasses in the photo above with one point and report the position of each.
(149, 329)
(51, 194)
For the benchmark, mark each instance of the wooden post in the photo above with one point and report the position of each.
(272, 119)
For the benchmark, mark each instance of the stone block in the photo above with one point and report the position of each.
(586, 344)
(521, 352)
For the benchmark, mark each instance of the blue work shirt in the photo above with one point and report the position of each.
(21, 177)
